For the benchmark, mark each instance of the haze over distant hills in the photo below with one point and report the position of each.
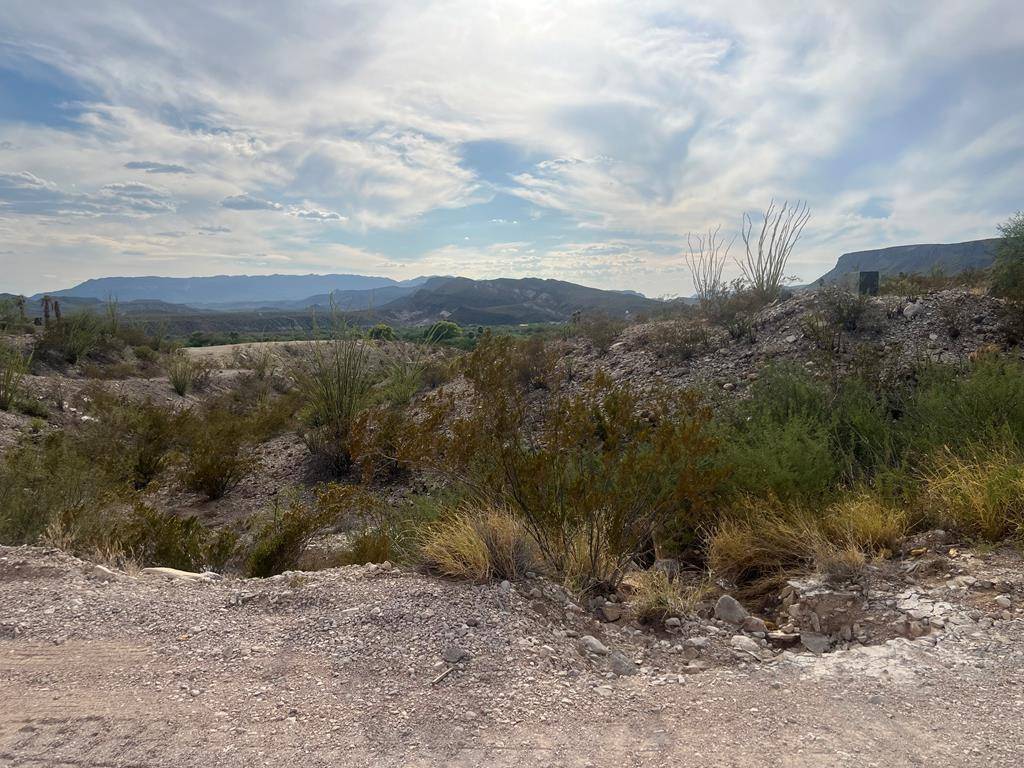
(226, 289)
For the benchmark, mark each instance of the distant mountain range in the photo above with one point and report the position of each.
(277, 299)
(420, 300)
(228, 291)
(951, 258)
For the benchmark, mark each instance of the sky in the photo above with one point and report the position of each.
(572, 140)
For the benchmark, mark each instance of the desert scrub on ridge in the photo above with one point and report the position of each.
(592, 474)
(13, 367)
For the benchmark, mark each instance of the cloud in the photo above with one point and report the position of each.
(316, 215)
(249, 203)
(618, 130)
(152, 167)
(213, 229)
(25, 193)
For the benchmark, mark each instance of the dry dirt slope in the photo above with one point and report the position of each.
(341, 668)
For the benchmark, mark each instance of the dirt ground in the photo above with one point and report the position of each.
(347, 667)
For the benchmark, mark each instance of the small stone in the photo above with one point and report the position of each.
(673, 622)
(1003, 601)
(453, 654)
(603, 690)
(591, 644)
(621, 664)
(783, 639)
(790, 339)
(728, 609)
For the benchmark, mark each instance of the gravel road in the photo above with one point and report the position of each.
(377, 666)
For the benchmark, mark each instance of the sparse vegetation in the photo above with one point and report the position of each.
(13, 367)
(186, 373)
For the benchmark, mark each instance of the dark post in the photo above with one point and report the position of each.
(868, 284)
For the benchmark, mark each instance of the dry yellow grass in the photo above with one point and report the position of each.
(478, 543)
(655, 598)
(981, 496)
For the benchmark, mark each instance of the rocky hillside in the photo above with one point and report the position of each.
(947, 326)
(951, 258)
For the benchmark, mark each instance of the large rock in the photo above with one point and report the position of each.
(591, 644)
(728, 609)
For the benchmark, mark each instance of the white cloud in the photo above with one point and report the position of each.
(249, 203)
(645, 120)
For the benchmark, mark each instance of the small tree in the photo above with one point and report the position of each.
(1008, 270)
(764, 265)
(705, 260)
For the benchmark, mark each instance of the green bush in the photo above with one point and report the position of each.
(217, 456)
(382, 332)
(1008, 269)
(334, 379)
(280, 538)
(74, 336)
(443, 330)
(13, 367)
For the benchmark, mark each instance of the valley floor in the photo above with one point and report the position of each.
(347, 667)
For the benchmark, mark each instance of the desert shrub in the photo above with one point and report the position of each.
(844, 309)
(73, 336)
(261, 359)
(1008, 269)
(280, 538)
(478, 544)
(42, 481)
(159, 538)
(13, 367)
(678, 340)
(334, 380)
(822, 333)
(145, 355)
(187, 373)
(981, 495)
(592, 474)
(217, 455)
(153, 434)
(958, 408)
(599, 328)
(30, 406)
(442, 330)
(382, 332)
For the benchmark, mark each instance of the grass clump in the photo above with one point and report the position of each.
(186, 373)
(655, 596)
(478, 544)
(980, 495)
